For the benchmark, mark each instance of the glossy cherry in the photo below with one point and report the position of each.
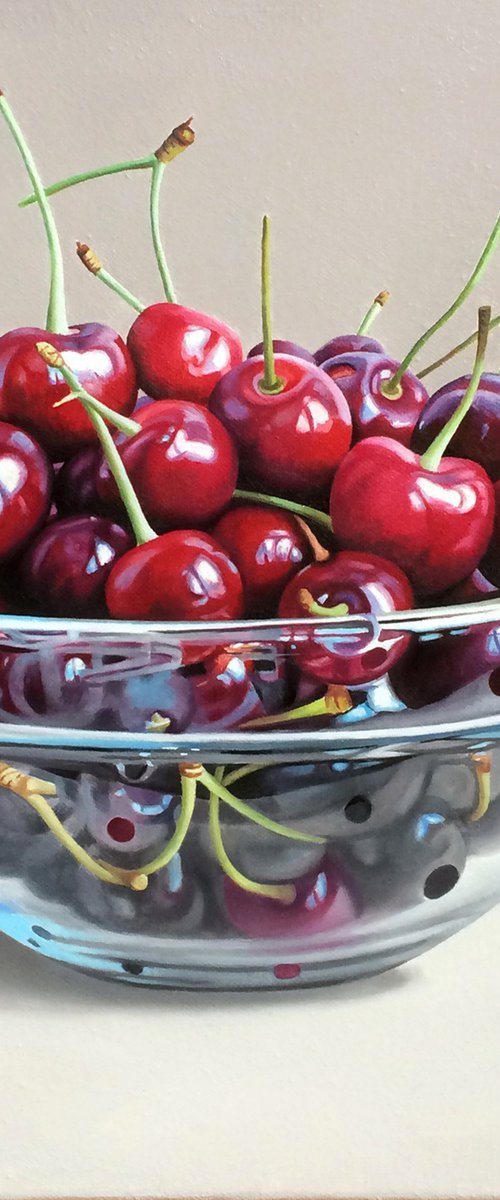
(10, 343)
(293, 440)
(361, 378)
(75, 487)
(181, 353)
(25, 488)
(99, 359)
(468, 591)
(435, 668)
(322, 903)
(268, 547)
(366, 585)
(183, 465)
(491, 561)
(65, 569)
(293, 349)
(478, 437)
(347, 343)
(180, 576)
(436, 524)
(224, 694)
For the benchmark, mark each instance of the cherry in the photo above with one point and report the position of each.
(474, 587)
(433, 516)
(180, 576)
(65, 569)
(292, 349)
(48, 687)
(491, 560)
(268, 548)
(25, 488)
(478, 437)
(182, 463)
(10, 343)
(439, 666)
(361, 378)
(290, 422)
(181, 353)
(357, 584)
(75, 487)
(97, 354)
(349, 343)
(224, 695)
(322, 903)
(99, 359)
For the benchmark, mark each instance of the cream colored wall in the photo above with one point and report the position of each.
(370, 129)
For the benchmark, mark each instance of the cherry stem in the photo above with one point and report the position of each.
(135, 164)
(301, 510)
(94, 265)
(154, 217)
(57, 321)
(431, 459)
(125, 425)
(320, 553)
(373, 311)
(215, 785)
(270, 385)
(188, 800)
(318, 610)
(482, 767)
(336, 700)
(284, 892)
(392, 385)
(141, 527)
(468, 341)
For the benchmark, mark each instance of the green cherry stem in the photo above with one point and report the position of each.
(285, 892)
(318, 610)
(373, 311)
(94, 265)
(57, 321)
(433, 455)
(468, 341)
(391, 388)
(134, 164)
(270, 385)
(301, 510)
(154, 218)
(141, 527)
(336, 700)
(188, 801)
(215, 786)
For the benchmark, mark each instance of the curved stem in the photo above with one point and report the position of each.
(285, 892)
(154, 216)
(135, 164)
(141, 527)
(214, 785)
(95, 267)
(125, 425)
(468, 341)
(270, 384)
(188, 800)
(318, 610)
(57, 321)
(373, 312)
(392, 384)
(482, 766)
(301, 510)
(242, 772)
(433, 455)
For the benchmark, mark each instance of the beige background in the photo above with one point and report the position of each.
(370, 129)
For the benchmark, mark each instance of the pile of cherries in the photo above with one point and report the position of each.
(170, 478)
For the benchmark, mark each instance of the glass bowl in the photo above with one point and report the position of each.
(144, 841)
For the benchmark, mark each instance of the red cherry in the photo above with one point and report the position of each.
(179, 576)
(291, 440)
(66, 567)
(180, 352)
(366, 584)
(268, 547)
(491, 560)
(436, 524)
(474, 587)
(347, 343)
(182, 464)
(292, 349)
(75, 488)
(435, 669)
(102, 364)
(359, 377)
(478, 436)
(224, 695)
(25, 488)
(322, 903)
(10, 343)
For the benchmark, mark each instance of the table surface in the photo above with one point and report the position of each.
(385, 1087)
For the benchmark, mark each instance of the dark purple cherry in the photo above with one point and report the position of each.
(65, 569)
(478, 437)
(294, 349)
(347, 343)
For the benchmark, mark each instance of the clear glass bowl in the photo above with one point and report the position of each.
(103, 729)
